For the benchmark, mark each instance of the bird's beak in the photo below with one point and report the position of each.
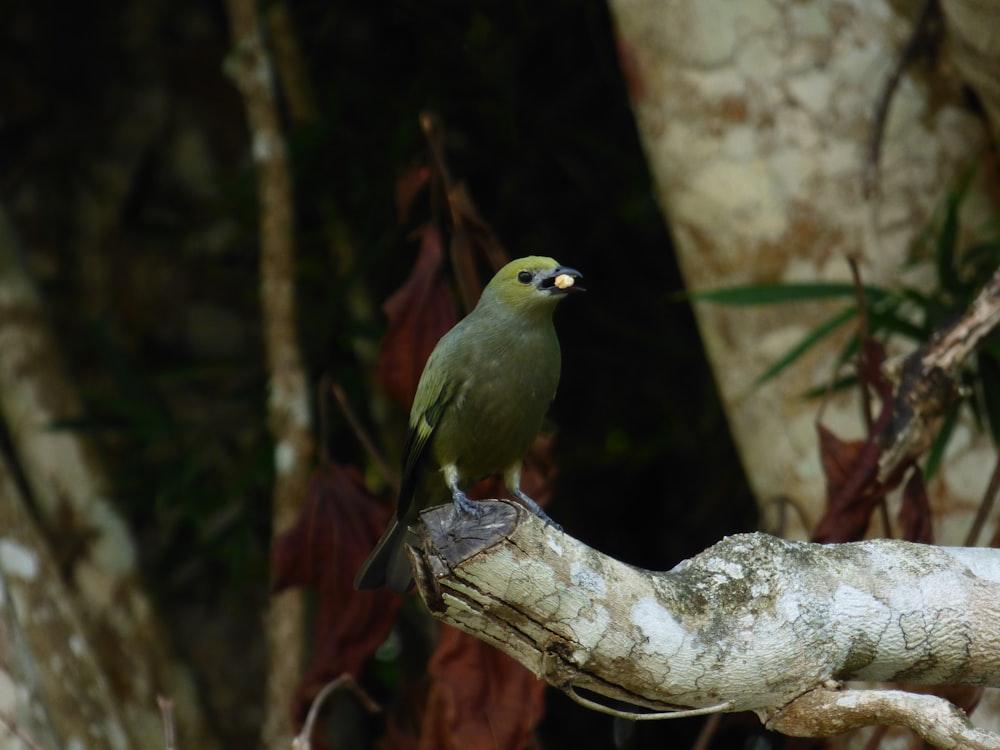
(562, 280)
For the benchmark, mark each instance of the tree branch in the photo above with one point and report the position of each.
(288, 405)
(928, 379)
(823, 712)
(752, 623)
(90, 542)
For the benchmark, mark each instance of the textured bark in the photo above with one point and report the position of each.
(753, 623)
(288, 404)
(51, 681)
(755, 117)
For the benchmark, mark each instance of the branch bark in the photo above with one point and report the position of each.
(51, 692)
(288, 406)
(753, 623)
(929, 379)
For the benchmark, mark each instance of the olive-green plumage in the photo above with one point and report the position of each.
(479, 404)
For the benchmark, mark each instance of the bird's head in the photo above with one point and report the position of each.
(534, 283)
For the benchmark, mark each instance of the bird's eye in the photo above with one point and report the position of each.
(525, 277)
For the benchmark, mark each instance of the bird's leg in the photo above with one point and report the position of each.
(512, 478)
(464, 504)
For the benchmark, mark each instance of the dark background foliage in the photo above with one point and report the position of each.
(125, 164)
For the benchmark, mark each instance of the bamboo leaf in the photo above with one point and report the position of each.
(808, 341)
(936, 453)
(771, 294)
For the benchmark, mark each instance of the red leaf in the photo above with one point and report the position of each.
(338, 527)
(853, 489)
(472, 238)
(839, 459)
(851, 469)
(420, 313)
(915, 520)
(872, 359)
(408, 186)
(966, 697)
(479, 698)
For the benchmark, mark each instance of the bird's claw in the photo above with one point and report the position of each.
(466, 506)
(537, 510)
(548, 521)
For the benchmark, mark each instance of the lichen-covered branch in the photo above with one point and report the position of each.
(288, 405)
(753, 623)
(825, 711)
(928, 380)
(59, 693)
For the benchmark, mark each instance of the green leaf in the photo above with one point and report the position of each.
(936, 453)
(840, 384)
(770, 294)
(945, 248)
(808, 341)
(889, 322)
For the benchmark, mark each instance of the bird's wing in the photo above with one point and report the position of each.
(417, 440)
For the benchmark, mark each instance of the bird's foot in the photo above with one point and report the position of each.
(465, 505)
(536, 509)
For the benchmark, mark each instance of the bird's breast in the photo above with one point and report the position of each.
(497, 411)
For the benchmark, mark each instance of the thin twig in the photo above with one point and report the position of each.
(169, 728)
(985, 506)
(866, 399)
(14, 728)
(680, 713)
(363, 437)
(289, 416)
(303, 740)
(870, 178)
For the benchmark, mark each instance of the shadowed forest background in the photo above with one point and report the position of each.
(125, 170)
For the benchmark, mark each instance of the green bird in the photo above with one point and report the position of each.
(479, 404)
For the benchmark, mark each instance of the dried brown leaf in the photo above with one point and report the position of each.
(852, 487)
(409, 185)
(915, 517)
(480, 698)
(420, 313)
(338, 527)
(472, 239)
(851, 467)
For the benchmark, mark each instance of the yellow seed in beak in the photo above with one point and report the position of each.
(563, 281)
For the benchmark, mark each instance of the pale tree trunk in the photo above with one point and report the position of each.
(79, 634)
(755, 118)
(289, 414)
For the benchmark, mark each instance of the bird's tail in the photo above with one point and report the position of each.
(388, 564)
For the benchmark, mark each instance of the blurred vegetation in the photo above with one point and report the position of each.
(124, 161)
(907, 312)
